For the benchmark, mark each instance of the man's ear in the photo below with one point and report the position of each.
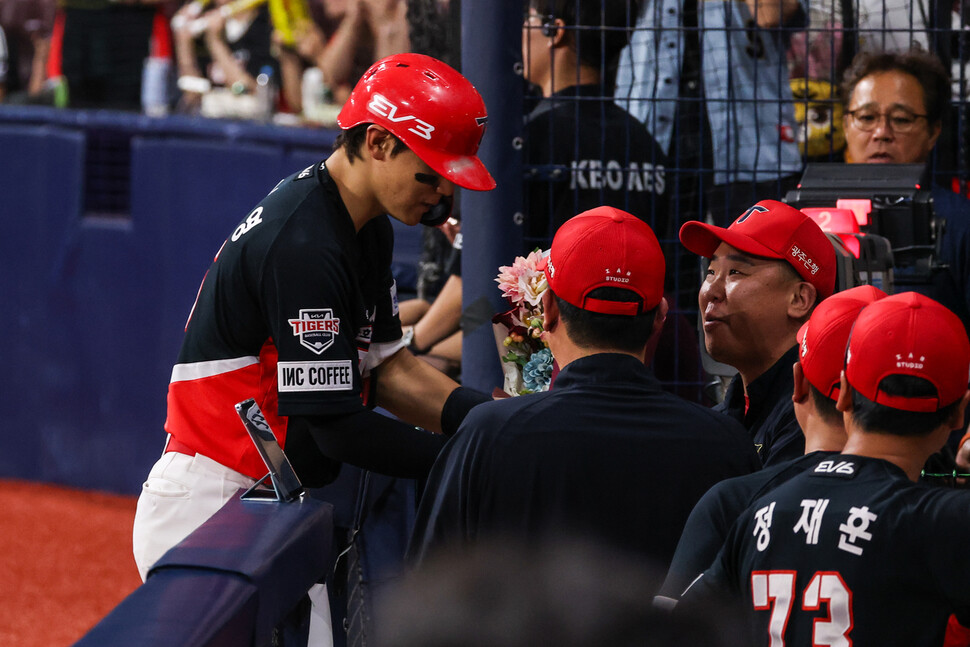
(379, 142)
(802, 385)
(803, 297)
(956, 418)
(550, 311)
(556, 32)
(844, 403)
(658, 323)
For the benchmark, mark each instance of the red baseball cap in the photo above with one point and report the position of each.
(605, 247)
(909, 334)
(822, 339)
(771, 229)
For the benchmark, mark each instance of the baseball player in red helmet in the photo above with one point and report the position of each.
(299, 310)
(853, 551)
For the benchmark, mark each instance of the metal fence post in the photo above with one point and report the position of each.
(491, 52)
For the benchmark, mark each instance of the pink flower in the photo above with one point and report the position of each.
(521, 283)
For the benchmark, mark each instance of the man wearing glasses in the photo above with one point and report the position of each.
(895, 104)
(894, 108)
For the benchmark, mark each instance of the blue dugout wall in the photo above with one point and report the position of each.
(110, 221)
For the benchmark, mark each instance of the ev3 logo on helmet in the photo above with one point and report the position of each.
(380, 105)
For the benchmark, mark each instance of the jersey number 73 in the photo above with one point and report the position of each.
(775, 591)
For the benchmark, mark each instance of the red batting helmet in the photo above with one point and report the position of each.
(430, 107)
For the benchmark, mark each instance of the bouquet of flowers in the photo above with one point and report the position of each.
(526, 360)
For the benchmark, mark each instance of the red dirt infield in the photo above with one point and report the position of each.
(66, 561)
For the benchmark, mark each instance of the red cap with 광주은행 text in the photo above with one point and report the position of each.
(909, 334)
(771, 229)
(606, 247)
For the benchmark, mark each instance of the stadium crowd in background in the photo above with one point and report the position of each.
(205, 56)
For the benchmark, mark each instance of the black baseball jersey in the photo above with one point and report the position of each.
(585, 151)
(286, 314)
(850, 552)
(712, 518)
(767, 412)
(606, 454)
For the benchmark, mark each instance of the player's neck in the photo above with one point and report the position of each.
(352, 184)
(567, 75)
(823, 437)
(754, 365)
(908, 453)
(573, 352)
(565, 350)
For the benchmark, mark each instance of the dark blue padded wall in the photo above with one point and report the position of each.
(187, 196)
(40, 187)
(96, 305)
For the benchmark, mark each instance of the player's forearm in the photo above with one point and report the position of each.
(375, 442)
(413, 390)
(442, 318)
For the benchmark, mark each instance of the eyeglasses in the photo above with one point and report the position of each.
(899, 120)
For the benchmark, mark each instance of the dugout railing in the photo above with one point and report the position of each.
(239, 580)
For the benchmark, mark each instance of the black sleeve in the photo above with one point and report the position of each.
(699, 544)
(457, 406)
(373, 442)
(453, 263)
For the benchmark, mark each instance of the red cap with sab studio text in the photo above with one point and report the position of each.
(606, 247)
(909, 334)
